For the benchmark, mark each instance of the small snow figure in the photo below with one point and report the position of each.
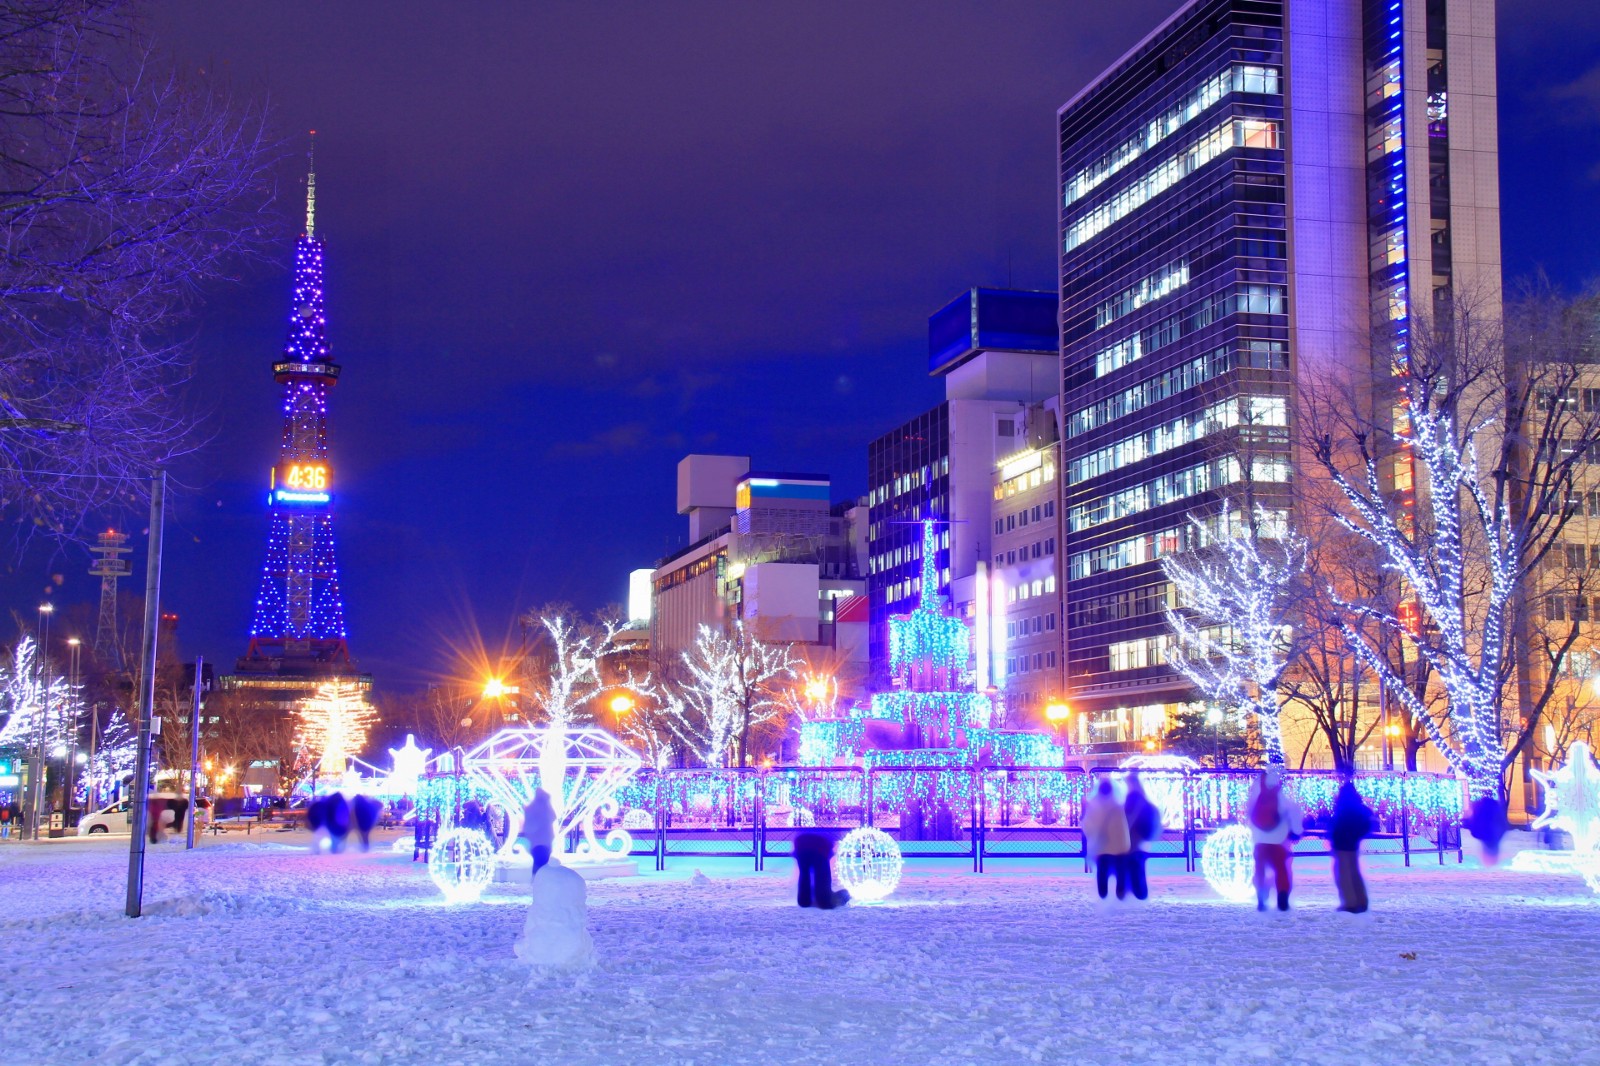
(365, 810)
(1352, 821)
(813, 853)
(1106, 838)
(539, 827)
(1144, 825)
(1274, 823)
(556, 933)
(1487, 822)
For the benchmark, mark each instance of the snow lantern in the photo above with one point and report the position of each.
(462, 864)
(1228, 861)
(868, 864)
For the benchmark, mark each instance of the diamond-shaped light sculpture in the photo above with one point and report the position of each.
(581, 768)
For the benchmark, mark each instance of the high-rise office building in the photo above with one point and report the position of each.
(1259, 193)
(995, 350)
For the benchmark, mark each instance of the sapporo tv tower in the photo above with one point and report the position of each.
(298, 638)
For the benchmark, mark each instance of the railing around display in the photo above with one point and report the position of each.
(981, 813)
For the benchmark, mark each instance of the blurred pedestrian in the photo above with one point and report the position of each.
(1105, 838)
(338, 819)
(539, 827)
(1487, 822)
(365, 810)
(813, 855)
(1275, 822)
(1144, 825)
(1352, 822)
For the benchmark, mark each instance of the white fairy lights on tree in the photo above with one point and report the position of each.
(571, 678)
(1462, 573)
(1232, 639)
(730, 687)
(38, 711)
(333, 726)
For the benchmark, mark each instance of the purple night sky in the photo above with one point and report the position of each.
(570, 243)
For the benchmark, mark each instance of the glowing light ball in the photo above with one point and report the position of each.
(638, 818)
(462, 864)
(404, 844)
(868, 864)
(1228, 861)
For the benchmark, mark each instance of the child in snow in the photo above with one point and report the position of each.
(813, 853)
(1352, 820)
(1105, 838)
(1274, 822)
(337, 819)
(365, 809)
(1144, 825)
(539, 827)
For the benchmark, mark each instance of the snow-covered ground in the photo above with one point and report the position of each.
(254, 951)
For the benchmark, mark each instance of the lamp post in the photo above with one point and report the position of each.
(1059, 715)
(41, 735)
(72, 719)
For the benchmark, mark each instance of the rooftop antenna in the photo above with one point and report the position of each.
(311, 187)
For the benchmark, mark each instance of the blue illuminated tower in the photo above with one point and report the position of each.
(298, 628)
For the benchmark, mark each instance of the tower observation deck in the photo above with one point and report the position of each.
(298, 631)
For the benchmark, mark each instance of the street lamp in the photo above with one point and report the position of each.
(621, 704)
(72, 718)
(42, 675)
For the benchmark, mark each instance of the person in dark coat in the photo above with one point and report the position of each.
(813, 854)
(1351, 823)
(338, 815)
(1487, 821)
(1144, 825)
(365, 810)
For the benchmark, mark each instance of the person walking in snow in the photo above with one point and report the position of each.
(1352, 821)
(1274, 823)
(1105, 838)
(539, 827)
(1144, 825)
(813, 856)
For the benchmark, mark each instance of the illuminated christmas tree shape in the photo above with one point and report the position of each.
(1572, 799)
(334, 725)
(583, 769)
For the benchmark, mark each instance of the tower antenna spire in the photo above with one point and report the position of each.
(311, 187)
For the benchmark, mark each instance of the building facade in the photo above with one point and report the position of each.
(769, 549)
(995, 350)
(1254, 198)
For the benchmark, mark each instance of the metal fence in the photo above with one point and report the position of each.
(979, 814)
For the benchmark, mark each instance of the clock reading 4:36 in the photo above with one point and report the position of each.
(304, 476)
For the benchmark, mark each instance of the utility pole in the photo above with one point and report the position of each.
(147, 699)
(72, 725)
(194, 745)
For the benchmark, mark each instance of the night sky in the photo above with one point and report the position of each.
(570, 243)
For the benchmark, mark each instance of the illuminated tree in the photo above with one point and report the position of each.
(1464, 483)
(730, 685)
(333, 726)
(37, 711)
(564, 675)
(1233, 638)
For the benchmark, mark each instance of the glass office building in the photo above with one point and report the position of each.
(1247, 198)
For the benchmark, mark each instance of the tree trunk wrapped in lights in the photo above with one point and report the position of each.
(1232, 637)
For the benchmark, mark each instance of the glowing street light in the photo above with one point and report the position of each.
(1057, 711)
(495, 689)
(621, 704)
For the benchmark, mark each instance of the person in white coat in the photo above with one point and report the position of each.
(1105, 837)
(539, 827)
(1275, 823)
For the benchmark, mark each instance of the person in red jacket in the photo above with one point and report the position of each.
(1274, 823)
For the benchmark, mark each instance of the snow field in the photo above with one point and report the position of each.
(261, 953)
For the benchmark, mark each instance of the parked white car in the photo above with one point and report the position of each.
(115, 818)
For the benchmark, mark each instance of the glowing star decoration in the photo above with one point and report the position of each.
(1162, 777)
(333, 726)
(1228, 860)
(409, 763)
(868, 864)
(582, 769)
(1572, 799)
(462, 864)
